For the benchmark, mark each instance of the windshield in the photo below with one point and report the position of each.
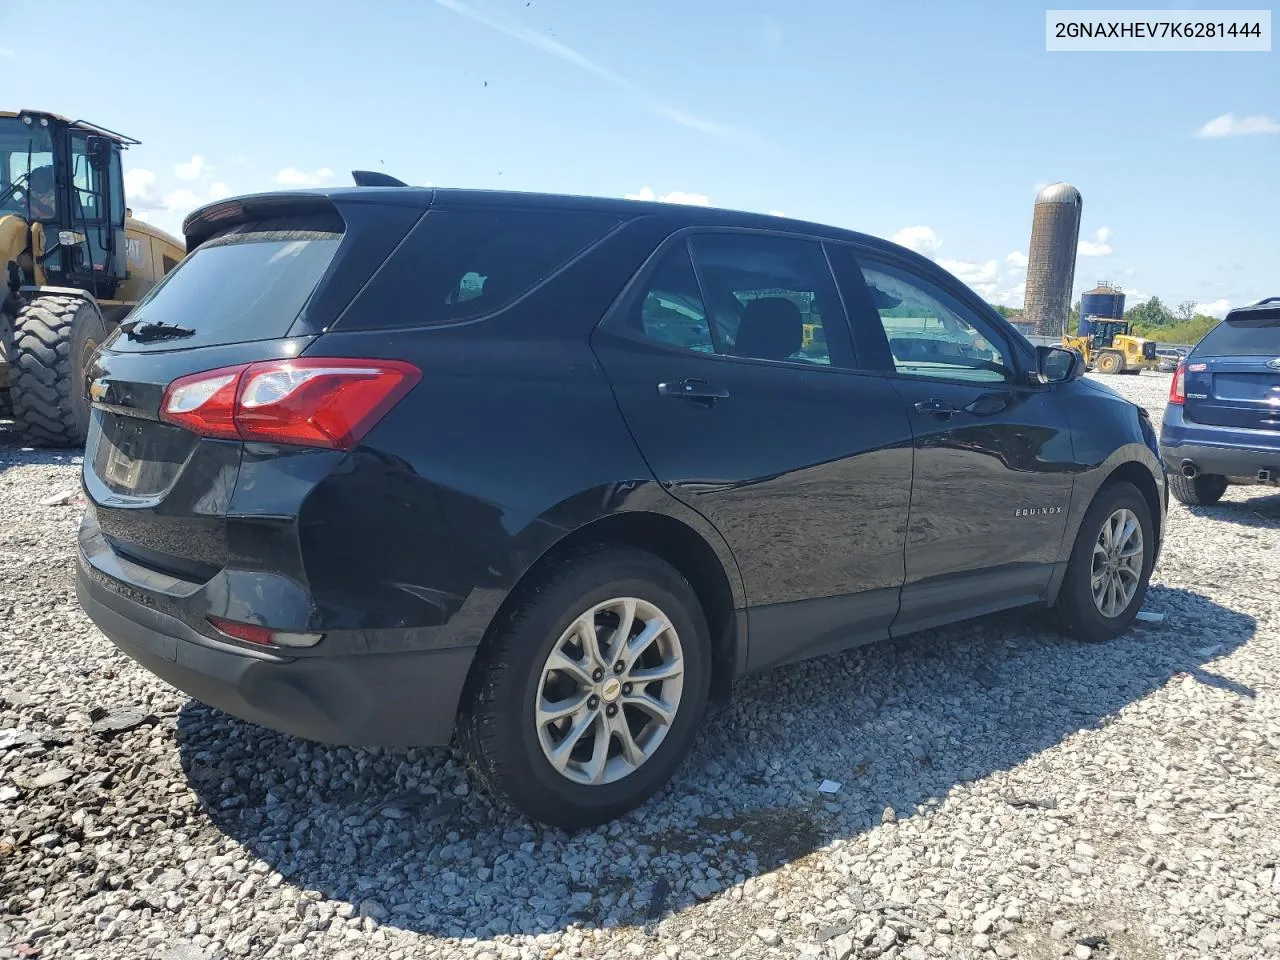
(20, 142)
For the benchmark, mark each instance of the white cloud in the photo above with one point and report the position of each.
(293, 177)
(142, 215)
(1098, 246)
(540, 41)
(1229, 125)
(1011, 296)
(776, 213)
(1128, 271)
(192, 169)
(218, 190)
(5, 52)
(919, 238)
(139, 190)
(182, 201)
(974, 274)
(1133, 297)
(675, 196)
(1214, 308)
(1016, 259)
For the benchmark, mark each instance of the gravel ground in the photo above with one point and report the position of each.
(1004, 791)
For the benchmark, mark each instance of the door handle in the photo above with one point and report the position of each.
(937, 407)
(692, 389)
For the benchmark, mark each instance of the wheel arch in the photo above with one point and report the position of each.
(684, 548)
(1139, 476)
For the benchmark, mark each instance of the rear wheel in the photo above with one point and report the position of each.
(49, 347)
(1201, 491)
(587, 695)
(1110, 565)
(1109, 362)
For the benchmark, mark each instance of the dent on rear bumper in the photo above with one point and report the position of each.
(372, 699)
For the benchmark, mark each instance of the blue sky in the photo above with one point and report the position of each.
(933, 122)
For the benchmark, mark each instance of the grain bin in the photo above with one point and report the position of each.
(1104, 302)
(1051, 259)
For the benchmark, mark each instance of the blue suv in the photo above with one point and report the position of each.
(1222, 424)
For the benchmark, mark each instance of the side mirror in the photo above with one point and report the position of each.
(99, 150)
(1058, 364)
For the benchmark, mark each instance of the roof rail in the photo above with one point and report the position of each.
(371, 178)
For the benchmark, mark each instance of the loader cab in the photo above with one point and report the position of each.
(1105, 331)
(66, 176)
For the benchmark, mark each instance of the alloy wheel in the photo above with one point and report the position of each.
(1117, 563)
(609, 691)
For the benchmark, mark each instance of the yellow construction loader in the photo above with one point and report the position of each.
(75, 262)
(1108, 346)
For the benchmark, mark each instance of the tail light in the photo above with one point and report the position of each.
(1178, 387)
(311, 402)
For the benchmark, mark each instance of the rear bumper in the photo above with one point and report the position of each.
(1227, 451)
(1239, 463)
(371, 699)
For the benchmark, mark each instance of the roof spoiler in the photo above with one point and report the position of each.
(1264, 313)
(371, 178)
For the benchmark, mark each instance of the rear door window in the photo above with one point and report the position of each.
(249, 283)
(465, 263)
(1242, 337)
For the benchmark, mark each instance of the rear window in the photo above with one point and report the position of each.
(1243, 337)
(461, 264)
(249, 283)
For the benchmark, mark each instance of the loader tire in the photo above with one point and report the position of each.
(1110, 362)
(51, 341)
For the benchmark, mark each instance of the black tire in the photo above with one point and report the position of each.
(1109, 362)
(495, 722)
(1075, 605)
(1205, 489)
(50, 344)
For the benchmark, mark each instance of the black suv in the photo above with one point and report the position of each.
(382, 465)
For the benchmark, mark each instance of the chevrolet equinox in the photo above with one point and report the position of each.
(382, 465)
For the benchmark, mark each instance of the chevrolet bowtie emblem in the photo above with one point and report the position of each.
(97, 390)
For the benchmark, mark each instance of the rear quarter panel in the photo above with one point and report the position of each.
(511, 441)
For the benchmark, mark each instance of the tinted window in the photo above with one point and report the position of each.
(1234, 338)
(672, 311)
(466, 263)
(932, 334)
(768, 296)
(86, 182)
(246, 284)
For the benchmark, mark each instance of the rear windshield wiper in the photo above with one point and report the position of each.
(144, 331)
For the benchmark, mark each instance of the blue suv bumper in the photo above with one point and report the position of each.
(1234, 452)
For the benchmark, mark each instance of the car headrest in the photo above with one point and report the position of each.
(771, 329)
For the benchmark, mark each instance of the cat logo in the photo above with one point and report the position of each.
(133, 250)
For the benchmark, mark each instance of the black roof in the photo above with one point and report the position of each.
(203, 222)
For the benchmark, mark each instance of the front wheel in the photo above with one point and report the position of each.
(51, 343)
(1110, 363)
(588, 692)
(1110, 565)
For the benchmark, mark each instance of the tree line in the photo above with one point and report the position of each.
(1150, 319)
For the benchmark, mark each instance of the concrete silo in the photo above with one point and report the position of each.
(1051, 258)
